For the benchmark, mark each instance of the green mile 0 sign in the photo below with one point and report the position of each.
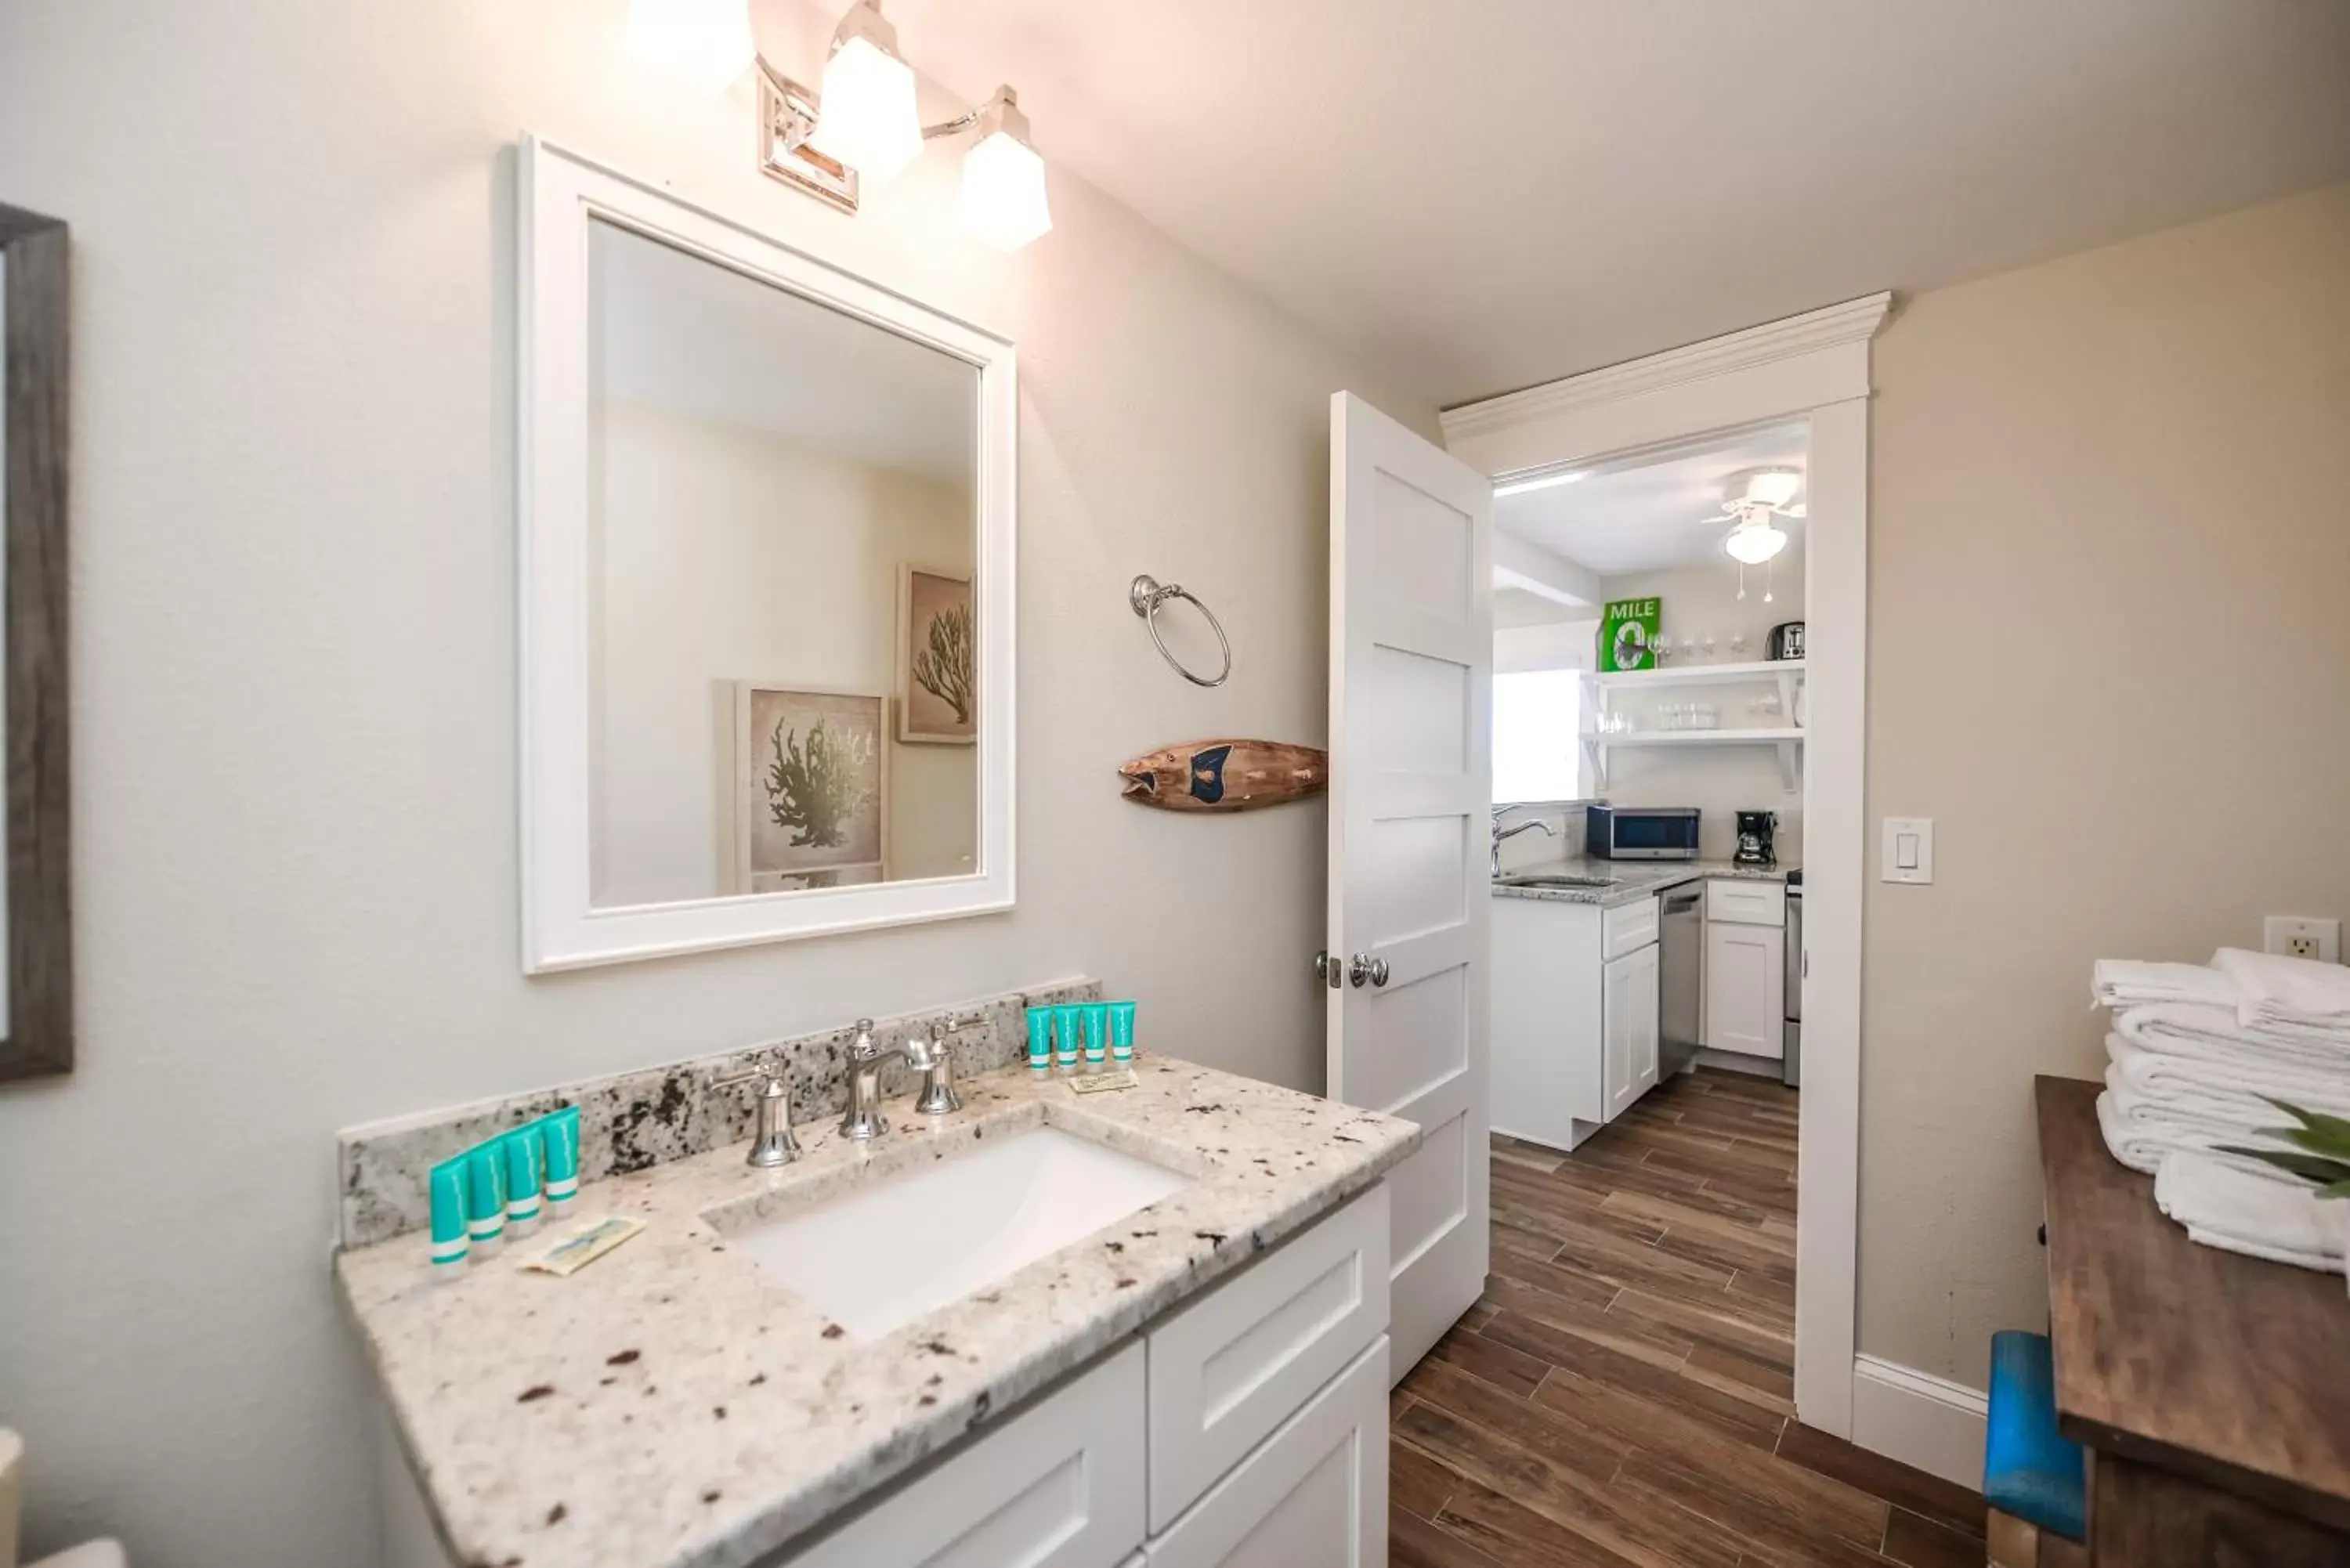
(1627, 634)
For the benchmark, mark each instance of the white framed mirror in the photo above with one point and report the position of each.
(767, 537)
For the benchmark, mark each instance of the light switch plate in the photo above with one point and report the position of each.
(1908, 853)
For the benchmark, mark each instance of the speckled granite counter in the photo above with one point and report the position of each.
(1634, 879)
(671, 1406)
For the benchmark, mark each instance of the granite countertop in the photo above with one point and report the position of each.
(669, 1406)
(1634, 879)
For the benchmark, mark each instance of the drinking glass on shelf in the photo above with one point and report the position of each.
(1709, 644)
(1738, 647)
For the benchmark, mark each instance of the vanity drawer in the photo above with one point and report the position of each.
(1746, 903)
(1059, 1485)
(1228, 1369)
(1315, 1496)
(1627, 928)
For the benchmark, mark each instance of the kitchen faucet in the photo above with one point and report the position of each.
(1501, 833)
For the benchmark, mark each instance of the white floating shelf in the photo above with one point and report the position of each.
(1703, 674)
(1788, 743)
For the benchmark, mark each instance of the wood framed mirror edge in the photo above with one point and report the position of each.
(36, 1013)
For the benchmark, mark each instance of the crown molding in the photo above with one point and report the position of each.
(1854, 321)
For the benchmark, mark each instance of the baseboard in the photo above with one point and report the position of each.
(1927, 1422)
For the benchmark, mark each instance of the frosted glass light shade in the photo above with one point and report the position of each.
(704, 42)
(1003, 201)
(866, 119)
(1754, 543)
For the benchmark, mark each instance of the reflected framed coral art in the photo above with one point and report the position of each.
(812, 788)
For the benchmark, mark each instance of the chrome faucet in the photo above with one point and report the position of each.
(773, 1145)
(863, 1120)
(935, 1060)
(1501, 835)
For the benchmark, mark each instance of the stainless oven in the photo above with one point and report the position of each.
(1640, 832)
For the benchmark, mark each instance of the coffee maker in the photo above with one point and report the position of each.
(1756, 830)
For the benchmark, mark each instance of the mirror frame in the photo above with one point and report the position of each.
(558, 193)
(37, 1003)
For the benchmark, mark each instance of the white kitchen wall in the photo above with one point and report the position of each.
(724, 553)
(1717, 781)
(294, 669)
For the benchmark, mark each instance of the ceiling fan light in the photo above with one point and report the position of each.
(706, 43)
(1003, 201)
(1773, 487)
(1752, 544)
(866, 118)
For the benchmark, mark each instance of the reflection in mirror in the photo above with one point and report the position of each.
(782, 629)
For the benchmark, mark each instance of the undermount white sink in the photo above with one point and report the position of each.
(876, 1258)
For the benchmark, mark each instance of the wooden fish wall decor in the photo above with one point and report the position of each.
(1225, 775)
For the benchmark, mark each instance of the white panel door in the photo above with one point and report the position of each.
(1411, 674)
(1745, 989)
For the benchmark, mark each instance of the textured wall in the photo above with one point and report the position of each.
(2109, 624)
(295, 666)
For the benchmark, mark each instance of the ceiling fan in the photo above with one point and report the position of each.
(1750, 504)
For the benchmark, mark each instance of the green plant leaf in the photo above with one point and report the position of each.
(2334, 1189)
(2319, 1141)
(2308, 1166)
(2333, 1128)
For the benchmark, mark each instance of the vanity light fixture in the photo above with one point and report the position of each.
(1003, 201)
(864, 125)
(867, 117)
(704, 42)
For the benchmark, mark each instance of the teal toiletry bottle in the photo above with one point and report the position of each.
(522, 1148)
(1040, 1040)
(1097, 1035)
(449, 1216)
(559, 1137)
(1065, 1035)
(1121, 1033)
(485, 1192)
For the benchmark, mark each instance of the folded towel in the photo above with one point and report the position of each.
(2222, 1206)
(2225, 1086)
(2133, 982)
(2273, 989)
(2200, 1029)
(2141, 1134)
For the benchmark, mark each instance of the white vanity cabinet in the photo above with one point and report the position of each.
(1574, 1018)
(1246, 1427)
(1745, 967)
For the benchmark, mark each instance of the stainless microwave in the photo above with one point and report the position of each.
(1640, 832)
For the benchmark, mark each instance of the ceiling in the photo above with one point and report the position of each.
(693, 337)
(1654, 515)
(1478, 197)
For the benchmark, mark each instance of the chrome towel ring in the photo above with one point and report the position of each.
(1145, 595)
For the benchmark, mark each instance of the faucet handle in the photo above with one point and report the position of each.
(763, 1070)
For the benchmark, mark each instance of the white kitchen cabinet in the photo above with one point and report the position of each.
(1313, 1495)
(1573, 1031)
(1629, 1020)
(1745, 988)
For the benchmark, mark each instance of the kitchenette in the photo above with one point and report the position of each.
(1634, 960)
(1650, 696)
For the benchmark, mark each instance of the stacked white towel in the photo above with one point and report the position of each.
(2198, 1056)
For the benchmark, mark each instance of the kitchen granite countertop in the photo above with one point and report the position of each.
(1634, 879)
(671, 1405)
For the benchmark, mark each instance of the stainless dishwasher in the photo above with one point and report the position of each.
(1681, 976)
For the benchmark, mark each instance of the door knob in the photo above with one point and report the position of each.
(1365, 968)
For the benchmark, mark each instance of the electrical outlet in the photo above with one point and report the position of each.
(2298, 936)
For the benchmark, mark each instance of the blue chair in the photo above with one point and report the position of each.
(2033, 1474)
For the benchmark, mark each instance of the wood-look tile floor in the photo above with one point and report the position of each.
(1622, 1393)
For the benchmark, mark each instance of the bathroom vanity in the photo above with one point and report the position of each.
(848, 1361)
